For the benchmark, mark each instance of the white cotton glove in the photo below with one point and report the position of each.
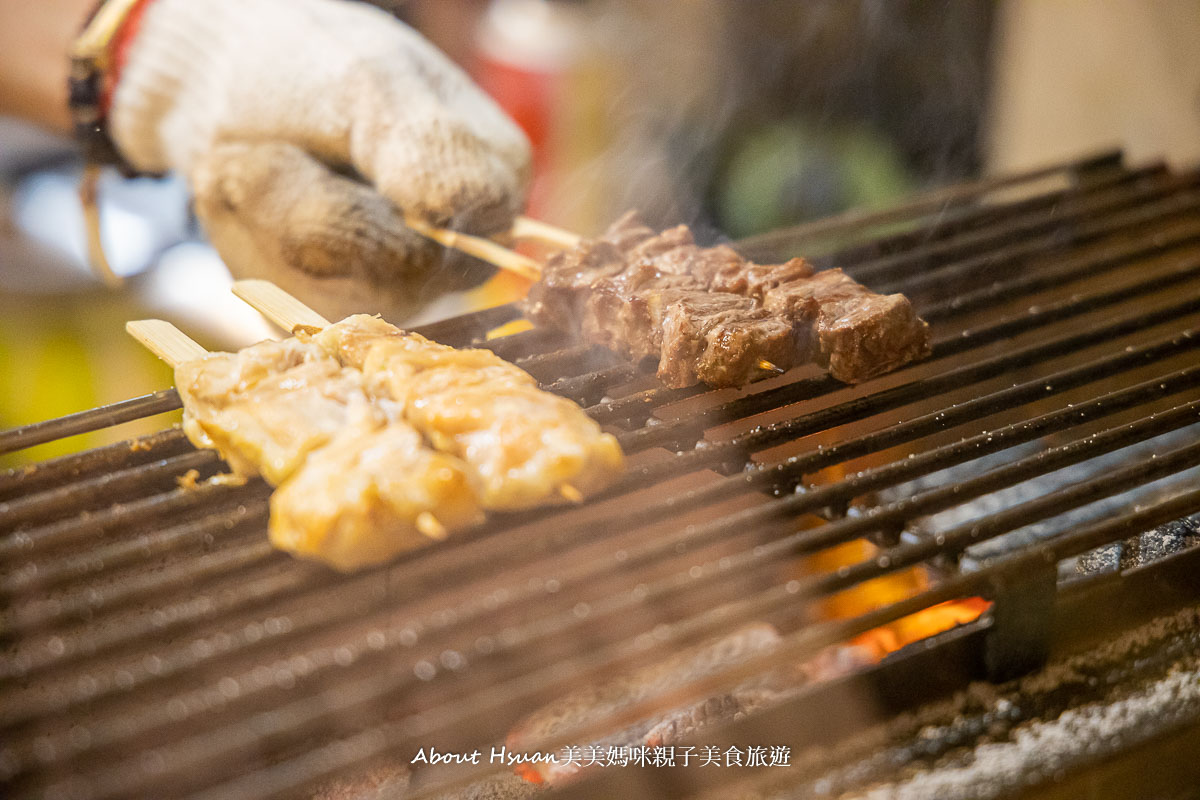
(305, 129)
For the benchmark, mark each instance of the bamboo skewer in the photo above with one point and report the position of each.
(495, 254)
(278, 306)
(165, 340)
(290, 314)
(534, 230)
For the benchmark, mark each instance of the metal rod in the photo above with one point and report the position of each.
(90, 420)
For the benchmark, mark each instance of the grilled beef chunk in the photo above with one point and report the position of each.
(721, 339)
(860, 334)
(755, 280)
(557, 300)
(632, 290)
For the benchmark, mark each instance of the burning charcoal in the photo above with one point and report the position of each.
(1161, 542)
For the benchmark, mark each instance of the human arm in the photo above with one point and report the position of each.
(34, 39)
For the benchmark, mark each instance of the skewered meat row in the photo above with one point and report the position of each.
(377, 438)
(525, 446)
(710, 316)
(354, 480)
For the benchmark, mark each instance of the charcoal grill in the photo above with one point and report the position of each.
(155, 645)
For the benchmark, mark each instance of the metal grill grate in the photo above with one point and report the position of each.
(155, 645)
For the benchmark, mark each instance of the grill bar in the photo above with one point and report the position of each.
(1079, 220)
(979, 216)
(934, 202)
(73, 530)
(59, 471)
(92, 492)
(91, 420)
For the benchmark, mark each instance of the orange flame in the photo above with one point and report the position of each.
(885, 591)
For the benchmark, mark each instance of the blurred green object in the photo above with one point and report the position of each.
(790, 171)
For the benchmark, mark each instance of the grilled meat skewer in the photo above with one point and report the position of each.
(356, 485)
(726, 314)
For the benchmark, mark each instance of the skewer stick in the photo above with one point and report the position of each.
(485, 249)
(165, 341)
(525, 228)
(278, 306)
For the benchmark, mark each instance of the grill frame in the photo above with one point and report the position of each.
(1105, 209)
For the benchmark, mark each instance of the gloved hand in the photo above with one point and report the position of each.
(305, 129)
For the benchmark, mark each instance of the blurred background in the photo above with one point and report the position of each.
(736, 118)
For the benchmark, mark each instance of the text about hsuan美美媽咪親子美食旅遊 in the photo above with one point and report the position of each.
(618, 756)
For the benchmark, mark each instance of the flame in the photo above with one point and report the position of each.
(885, 591)
(503, 287)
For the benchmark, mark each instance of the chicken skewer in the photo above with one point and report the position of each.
(355, 484)
(525, 446)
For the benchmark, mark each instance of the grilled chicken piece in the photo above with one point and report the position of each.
(268, 406)
(356, 484)
(522, 444)
(369, 495)
(643, 684)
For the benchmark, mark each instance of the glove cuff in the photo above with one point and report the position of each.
(160, 109)
(95, 62)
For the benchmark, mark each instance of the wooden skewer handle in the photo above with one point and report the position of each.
(481, 248)
(278, 306)
(525, 228)
(165, 341)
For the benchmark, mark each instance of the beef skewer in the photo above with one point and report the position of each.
(839, 324)
(355, 484)
(526, 447)
(697, 337)
(708, 315)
